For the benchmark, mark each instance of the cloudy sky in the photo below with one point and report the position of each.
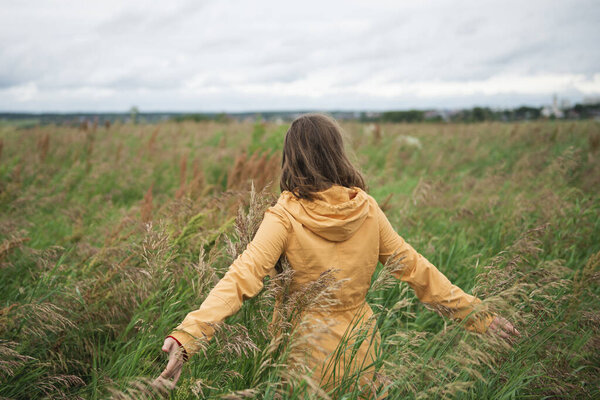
(258, 55)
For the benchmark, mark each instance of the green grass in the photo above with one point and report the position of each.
(510, 212)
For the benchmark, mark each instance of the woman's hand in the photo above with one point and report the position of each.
(169, 377)
(500, 326)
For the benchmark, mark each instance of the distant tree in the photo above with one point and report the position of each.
(191, 117)
(403, 116)
(527, 113)
(134, 113)
(222, 117)
(586, 110)
(463, 116)
(480, 114)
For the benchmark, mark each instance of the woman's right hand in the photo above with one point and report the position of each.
(169, 377)
(502, 327)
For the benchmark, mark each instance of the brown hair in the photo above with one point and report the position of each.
(314, 158)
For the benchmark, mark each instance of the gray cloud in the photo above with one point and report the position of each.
(240, 55)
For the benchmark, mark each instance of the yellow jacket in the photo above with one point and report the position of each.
(344, 230)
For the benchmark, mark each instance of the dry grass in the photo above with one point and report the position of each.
(109, 237)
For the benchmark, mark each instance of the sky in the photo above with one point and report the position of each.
(213, 56)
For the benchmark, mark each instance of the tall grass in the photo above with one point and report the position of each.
(109, 236)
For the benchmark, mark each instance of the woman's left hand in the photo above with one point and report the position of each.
(169, 377)
(503, 328)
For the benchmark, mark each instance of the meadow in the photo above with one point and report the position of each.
(110, 235)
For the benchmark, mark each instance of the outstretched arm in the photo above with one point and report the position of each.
(243, 280)
(430, 285)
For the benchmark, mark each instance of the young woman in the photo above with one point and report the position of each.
(323, 221)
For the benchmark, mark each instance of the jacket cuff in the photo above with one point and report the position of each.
(185, 354)
(477, 316)
(190, 344)
(480, 323)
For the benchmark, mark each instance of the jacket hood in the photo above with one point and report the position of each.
(336, 213)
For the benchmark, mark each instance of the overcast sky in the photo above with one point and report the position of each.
(260, 55)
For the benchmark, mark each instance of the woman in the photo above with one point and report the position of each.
(324, 221)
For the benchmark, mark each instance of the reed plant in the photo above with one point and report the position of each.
(108, 237)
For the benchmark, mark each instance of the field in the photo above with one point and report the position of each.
(110, 235)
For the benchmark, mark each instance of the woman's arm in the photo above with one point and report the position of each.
(243, 280)
(429, 284)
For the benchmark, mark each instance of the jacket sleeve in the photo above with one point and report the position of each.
(243, 280)
(430, 285)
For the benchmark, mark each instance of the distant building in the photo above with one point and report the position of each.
(553, 110)
(442, 115)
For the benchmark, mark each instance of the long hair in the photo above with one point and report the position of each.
(314, 158)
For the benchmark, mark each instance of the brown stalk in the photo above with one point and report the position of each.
(43, 145)
(11, 244)
(146, 211)
(182, 177)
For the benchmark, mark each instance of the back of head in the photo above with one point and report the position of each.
(314, 158)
